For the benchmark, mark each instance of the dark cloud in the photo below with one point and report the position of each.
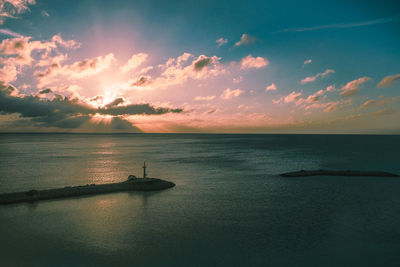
(201, 63)
(121, 124)
(63, 112)
(136, 109)
(45, 91)
(115, 102)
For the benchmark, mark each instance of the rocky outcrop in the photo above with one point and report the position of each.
(132, 184)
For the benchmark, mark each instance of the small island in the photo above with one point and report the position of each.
(304, 173)
(132, 184)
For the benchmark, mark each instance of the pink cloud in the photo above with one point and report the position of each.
(17, 52)
(76, 70)
(221, 41)
(238, 79)
(134, 62)
(293, 97)
(308, 61)
(330, 88)
(11, 8)
(177, 71)
(204, 98)
(353, 87)
(310, 102)
(313, 78)
(271, 87)
(229, 94)
(253, 62)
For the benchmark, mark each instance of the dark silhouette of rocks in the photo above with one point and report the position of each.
(304, 173)
(132, 184)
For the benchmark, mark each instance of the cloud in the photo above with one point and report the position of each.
(253, 62)
(297, 99)
(327, 107)
(245, 40)
(308, 61)
(201, 62)
(383, 112)
(292, 97)
(229, 94)
(389, 80)
(47, 60)
(10, 33)
(176, 70)
(76, 70)
(313, 78)
(238, 79)
(45, 91)
(376, 102)
(271, 87)
(204, 98)
(17, 52)
(368, 103)
(115, 102)
(45, 14)
(142, 81)
(342, 25)
(353, 87)
(134, 62)
(11, 8)
(137, 109)
(221, 41)
(330, 88)
(63, 112)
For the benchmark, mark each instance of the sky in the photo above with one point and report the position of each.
(329, 67)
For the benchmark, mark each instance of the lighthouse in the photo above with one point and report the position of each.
(144, 169)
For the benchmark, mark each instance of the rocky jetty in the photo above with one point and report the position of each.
(304, 173)
(132, 184)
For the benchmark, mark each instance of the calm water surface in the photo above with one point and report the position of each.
(229, 207)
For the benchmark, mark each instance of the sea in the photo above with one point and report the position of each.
(229, 207)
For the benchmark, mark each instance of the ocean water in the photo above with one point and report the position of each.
(229, 206)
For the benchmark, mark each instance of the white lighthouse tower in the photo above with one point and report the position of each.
(144, 170)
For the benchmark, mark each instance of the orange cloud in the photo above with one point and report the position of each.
(389, 80)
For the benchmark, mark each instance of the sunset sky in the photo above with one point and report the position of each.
(200, 66)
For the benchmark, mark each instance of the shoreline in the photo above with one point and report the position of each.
(136, 184)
